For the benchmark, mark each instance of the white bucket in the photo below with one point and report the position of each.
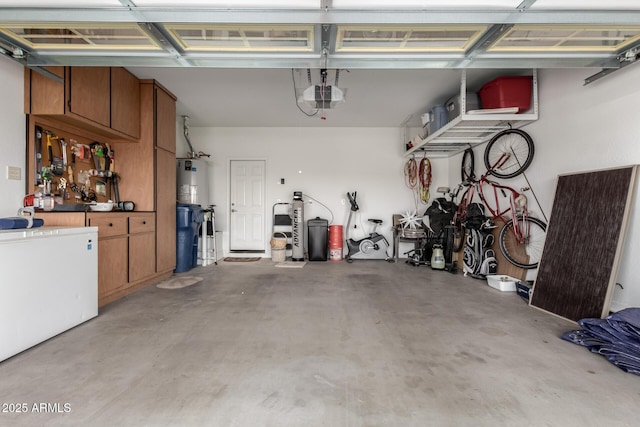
(278, 255)
(335, 254)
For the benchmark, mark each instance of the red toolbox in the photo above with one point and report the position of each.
(507, 91)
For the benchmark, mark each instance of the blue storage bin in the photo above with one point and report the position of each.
(439, 116)
(188, 220)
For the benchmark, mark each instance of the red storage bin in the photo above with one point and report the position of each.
(507, 91)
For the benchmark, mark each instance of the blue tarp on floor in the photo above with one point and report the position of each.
(616, 337)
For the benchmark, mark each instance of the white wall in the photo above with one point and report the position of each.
(332, 162)
(583, 128)
(12, 143)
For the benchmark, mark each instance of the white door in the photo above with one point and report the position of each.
(247, 215)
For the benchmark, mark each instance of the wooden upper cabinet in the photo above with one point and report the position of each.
(103, 100)
(43, 94)
(89, 93)
(165, 120)
(125, 102)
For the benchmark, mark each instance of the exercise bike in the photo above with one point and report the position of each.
(374, 246)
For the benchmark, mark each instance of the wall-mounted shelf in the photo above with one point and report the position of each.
(473, 129)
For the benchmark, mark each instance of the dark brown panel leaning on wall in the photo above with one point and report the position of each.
(584, 242)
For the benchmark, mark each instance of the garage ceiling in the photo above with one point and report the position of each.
(170, 40)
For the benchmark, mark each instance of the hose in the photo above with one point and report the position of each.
(425, 179)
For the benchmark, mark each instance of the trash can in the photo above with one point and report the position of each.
(317, 232)
(188, 220)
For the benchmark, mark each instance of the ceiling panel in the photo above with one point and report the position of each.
(587, 4)
(258, 38)
(322, 33)
(258, 4)
(450, 38)
(566, 38)
(60, 3)
(80, 37)
(424, 4)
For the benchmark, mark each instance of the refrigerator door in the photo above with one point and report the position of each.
(48, 284)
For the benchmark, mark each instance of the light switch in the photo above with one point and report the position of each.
(14, 172)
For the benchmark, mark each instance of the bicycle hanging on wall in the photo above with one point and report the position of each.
(508, 154)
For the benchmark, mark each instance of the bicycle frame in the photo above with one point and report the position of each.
(520, 227)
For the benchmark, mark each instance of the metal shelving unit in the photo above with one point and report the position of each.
(474, 129)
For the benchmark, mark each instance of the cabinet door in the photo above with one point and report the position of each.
(165, 121)
(125, 102)
(166, 210)
(113, 266)
(142, 256)
(46, 96)
(89, 93)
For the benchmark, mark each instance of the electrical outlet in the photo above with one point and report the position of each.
(14, 172)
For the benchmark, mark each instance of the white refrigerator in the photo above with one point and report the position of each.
(48, 284)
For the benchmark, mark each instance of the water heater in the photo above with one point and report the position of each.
(192, 177)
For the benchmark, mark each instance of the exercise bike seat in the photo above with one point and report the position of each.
(375, 221)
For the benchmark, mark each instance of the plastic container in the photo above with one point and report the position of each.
(188, 220)
(335, 242)
(507, 91)
(524, 290)
(454, 107)
(438, 117)
(502, 282)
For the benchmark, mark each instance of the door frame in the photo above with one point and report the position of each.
(264, 213)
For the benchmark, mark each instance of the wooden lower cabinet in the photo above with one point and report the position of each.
(142, 245)
(112, 265)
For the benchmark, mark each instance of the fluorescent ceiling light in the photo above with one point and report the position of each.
(425, 4)
(234, 4)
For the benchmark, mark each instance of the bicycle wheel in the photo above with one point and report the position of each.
(524, 254)
(467, 169)
(509, 153)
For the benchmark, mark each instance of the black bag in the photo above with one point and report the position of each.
(475, 216)
(440, 214)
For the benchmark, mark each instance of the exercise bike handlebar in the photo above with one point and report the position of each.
(352, 201)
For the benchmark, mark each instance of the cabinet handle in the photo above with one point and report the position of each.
(110, 224)
(144, 222)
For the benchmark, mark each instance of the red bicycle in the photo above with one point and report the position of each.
(521, 238)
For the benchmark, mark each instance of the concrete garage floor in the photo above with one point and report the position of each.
(332, 344)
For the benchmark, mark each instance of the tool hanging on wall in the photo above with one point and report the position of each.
(56, 163)
(38, 155)
(85, 195)
(63, 147)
